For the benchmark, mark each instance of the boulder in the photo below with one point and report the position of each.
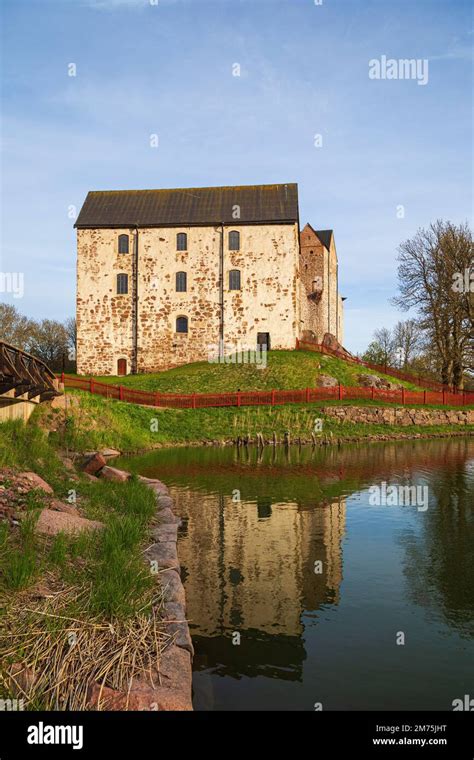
(172, 587)
(60, 506)
(19, 679)
(164, 554)
(155, 484)
(165, 502)
(92, 478)
(370, 381)
(326, 381)
(94, 464)
(33, 482)
(332, 342)
(165, 532)
(169, 689)
(51, 522)
(109, 453)
(112, 473)
(177, 626)
(165, 516)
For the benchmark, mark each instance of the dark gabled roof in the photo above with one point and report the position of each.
(325, 237)
(190, 206)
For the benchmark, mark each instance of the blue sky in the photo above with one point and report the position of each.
(166, 69)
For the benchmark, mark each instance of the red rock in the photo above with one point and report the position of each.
(95, 463)
(166, 516)
(177, 625)
(59, 506)
(172, 587)
(109, 453)
(164, 554)
(90, 477)
(170, 690)
(112, 473)
(20, 679)
(35, 482)
(51, 523)
(165, 532)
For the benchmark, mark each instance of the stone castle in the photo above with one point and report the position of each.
(164, 277)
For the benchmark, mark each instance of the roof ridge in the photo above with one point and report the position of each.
(187, 189)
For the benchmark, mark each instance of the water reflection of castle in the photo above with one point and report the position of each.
(251, 565)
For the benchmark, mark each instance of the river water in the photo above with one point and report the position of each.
(306, 589)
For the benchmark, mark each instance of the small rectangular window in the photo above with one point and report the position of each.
(123, 244)
(122, 284)
(234, 241)
(181, 282)
(182, 325)
(234, 279)
(181, 241)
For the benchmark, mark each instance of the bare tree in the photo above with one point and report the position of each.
(429, 267)
(49, 342)
(384, 339)
(407, 341)
(14, 327)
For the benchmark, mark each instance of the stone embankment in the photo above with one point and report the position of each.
(402, 416)
(170, 687)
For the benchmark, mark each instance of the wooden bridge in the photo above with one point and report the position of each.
(24, 382)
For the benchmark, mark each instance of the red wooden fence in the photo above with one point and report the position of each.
(266, 398)
(385, 369)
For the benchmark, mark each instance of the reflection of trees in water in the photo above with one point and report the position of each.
(439, 561)
(307, 475)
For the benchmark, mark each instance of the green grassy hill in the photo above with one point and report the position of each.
(284, 370)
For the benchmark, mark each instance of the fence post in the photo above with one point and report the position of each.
(403, 396)
(91, 385)
(121, 392)
(239, 399)
(372, 394)
(273, 397)
(424, 398)
(444, 397)
(340, 392)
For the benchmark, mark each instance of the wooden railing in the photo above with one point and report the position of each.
(266, 398)
(22, 374)
(410, 377)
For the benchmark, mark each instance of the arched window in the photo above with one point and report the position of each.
(181, 241)
(182, 325)
(181, 282)
(123, 244)
(234, 241)
(234, 279)
(122, 284)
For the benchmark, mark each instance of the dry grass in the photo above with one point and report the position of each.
(62, 651)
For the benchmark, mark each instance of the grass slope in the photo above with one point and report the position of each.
(93, 422)
(284, 370)
(100, 613)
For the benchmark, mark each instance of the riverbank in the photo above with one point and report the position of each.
(91, 614)
(84, 422)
